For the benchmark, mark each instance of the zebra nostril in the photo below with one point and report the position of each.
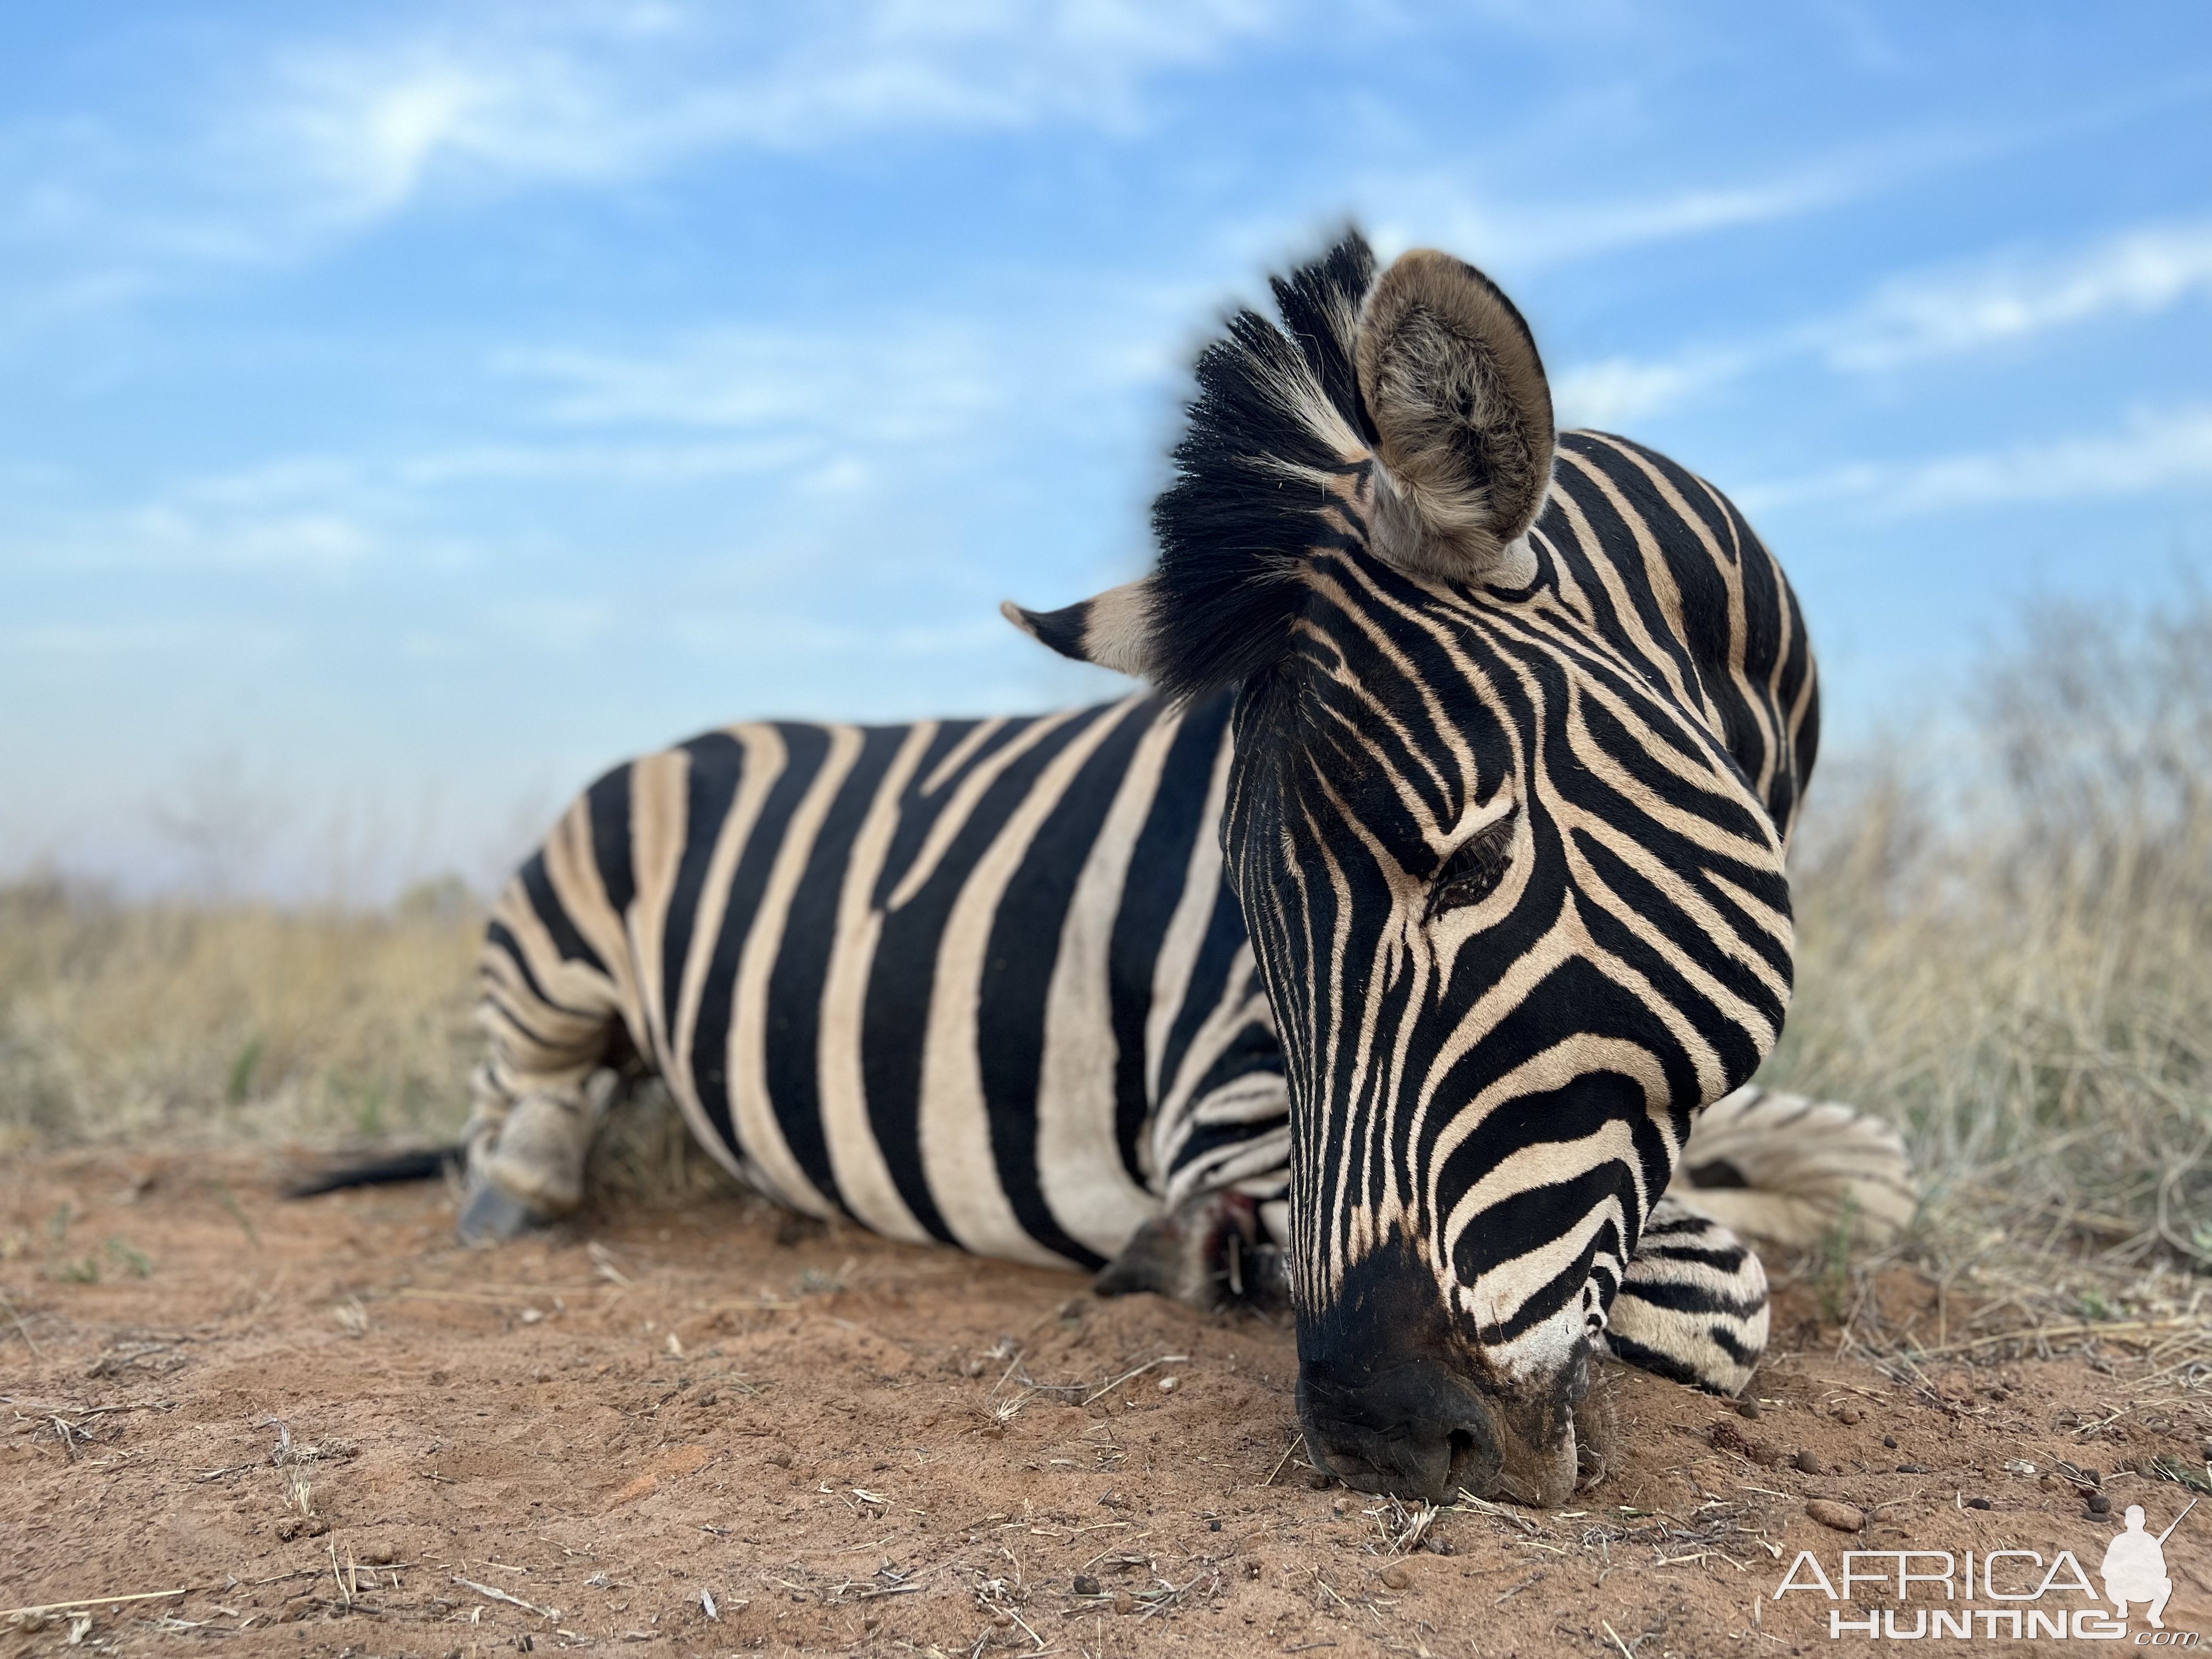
(1475, 1464)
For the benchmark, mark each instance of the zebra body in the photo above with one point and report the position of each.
(973, 982)
(982, 984)
(1408, 931)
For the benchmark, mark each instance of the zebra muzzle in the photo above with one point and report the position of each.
(1396, 1398)
(1414, 1430)
(1420, 1429)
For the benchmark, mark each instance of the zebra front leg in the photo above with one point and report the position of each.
(526, 1149)
(1210, 1252)
(551, 1006)
(1692, 1304)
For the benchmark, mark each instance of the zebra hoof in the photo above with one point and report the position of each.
(493, 1213)
(540, 1154)
(1208, 1252)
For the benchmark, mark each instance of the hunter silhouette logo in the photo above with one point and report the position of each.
(2135, 1566)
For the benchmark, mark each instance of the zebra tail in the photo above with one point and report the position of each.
(428, 1164)
(1795, 1171)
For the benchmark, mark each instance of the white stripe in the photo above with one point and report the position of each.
(752, 1108)
(856, 1158)
(956, 1131)
(1079, 1164)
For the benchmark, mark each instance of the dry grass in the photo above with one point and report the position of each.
(186, 1023)
(2006, 947)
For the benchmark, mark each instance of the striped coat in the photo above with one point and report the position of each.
(978, 981)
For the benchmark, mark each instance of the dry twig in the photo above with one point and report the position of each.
(499, 1594)
(98, 1601)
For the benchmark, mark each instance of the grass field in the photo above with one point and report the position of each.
(2005, 937)
(189, 1023)
(2005, 944)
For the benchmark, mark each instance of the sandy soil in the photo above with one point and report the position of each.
(720, 1430)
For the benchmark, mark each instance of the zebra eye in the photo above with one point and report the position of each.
(1472, 873)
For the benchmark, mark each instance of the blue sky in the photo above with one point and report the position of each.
(412, 409)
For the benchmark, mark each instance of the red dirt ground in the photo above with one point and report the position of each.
(335, 1432)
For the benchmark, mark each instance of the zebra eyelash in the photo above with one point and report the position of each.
(1472, 872)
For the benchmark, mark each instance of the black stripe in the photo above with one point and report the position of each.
(1707, 629)
(716, 764)
(1017, 972)
(553, 917)
(1676, 1297)
(1725, 1261)
(1519, 1221)
(1682, 1222)
(609, 805)
(1715, 1174)
(490, 993)
(917, 810)
(1253, 1049)
(497, 936)
(1651, 1360)
(1209, 982)
(1725, 1340)
(1584, 1107)
(1616, 546)
(1159, 864)
(802, 963)
(805, 747)
(894, 1019)
(1808, 729)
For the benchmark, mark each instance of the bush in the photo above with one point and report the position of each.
(2006, 943)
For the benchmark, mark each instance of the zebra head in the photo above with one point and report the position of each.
(1505, 824)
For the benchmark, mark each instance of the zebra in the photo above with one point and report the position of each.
(1378, 959)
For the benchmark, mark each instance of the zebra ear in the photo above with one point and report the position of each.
(1113, 630)
(1463, 415)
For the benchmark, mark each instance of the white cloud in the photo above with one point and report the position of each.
(309, 517)
(365, 134)
(171, 534)
(1581, 231)
(271, 151)
(2143, 271)
(1619, 389)
(189, 640)
(890, 383)
(566, 95)
(2155, 451)
(841, 439)
(1526, 236)
(1912, 319)
(627, 463)
(558, 624)
(864, 414)
(799, 637)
